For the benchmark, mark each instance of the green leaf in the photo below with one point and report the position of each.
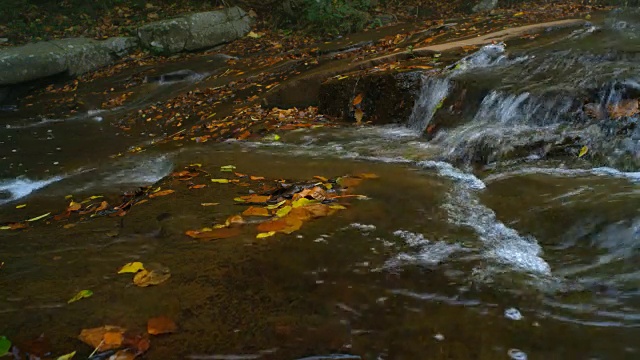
(227, 168)
(68, 356)
(583, 151)
(5, 345)
(81, 295)
(220, 181)
(284, 211)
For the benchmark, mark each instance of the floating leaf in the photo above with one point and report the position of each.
(220, 181)
(68, 356)
(80, 295)
(132, 267)
(21, 206)
(155, 276)
(39, 217)
(256, 211)
(254, 199)
(583, 151)
(227, 168)
(265, 235)
(283, 211)
(5, 345)
(97, 337)
(209, 204)
(161, 193)
(161, 325)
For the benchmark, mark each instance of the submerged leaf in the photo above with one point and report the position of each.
(68, 356)
(583, 151)
(132, 267)
(265, 235)
(256, 211)
(161, 325)
(97, 337)
(80, 295)
(154, 277)
(358, 116)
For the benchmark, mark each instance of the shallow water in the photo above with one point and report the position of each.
(534, 257)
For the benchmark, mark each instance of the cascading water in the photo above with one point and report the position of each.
(433, 92)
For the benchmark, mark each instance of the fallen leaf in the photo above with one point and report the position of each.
(39, 217)
(161, 325)
(234, 220)
(69, 226)
(95, 337)
(113, 338)
(214, 234)
(5, 345)
(80, 295)
(283, 211)
(321, 178)
(253, 199)
(103, 206)
(265, 235)
(199, 186)
(138, 343)
(227, 168)
(74, 206)
(256, 211)
(132, 267)
(68, 356)
(583, 151)
(347, 181)
(302, 202)
(368, 176)
(155, 276)
(275, 206)
(161, 193)
(220, 181)
(337, 207)
(255, 178)
(254, 35)
(209, 204)
(518, 14)
(21, 206)
(14, 226)
(358, 99)
(358, 116)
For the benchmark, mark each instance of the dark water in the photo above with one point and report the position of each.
(525, 260)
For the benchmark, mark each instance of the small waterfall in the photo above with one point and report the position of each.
(433, 92)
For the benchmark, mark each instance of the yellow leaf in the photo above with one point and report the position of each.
(227, 168)
(22, 206)
(132, 267)
(80, 295)
(275, 206)
(518, 14)
(284, 211)
(196, 165)
(359, 115)
(302, 202)
(265, 235)
(220, 181)
(68, 356)
(253, 35)
(39, 217)
(583, 151)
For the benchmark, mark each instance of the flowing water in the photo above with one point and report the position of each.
(526, 256)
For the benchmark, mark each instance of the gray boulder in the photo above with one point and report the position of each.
(195, 31)
(485, 5)
(66, 56)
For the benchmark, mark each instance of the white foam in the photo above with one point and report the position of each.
(21, 187)
(601, 171)
(429, 253)
(447, 170)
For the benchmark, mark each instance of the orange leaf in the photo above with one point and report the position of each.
(113, 338)
(215, 234)
(97, 337)
(256, 211)
(200, 186)
(103, 206)
(255, 199)
(255, 178)
(161, 325)
(74, 206)
(358, 99)
(321, 178)
(161, 193)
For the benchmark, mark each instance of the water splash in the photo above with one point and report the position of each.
(433, 92)
(14, 189)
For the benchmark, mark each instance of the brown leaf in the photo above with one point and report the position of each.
(154, 274)
(161, 325)
(161, 193)
(214, 234)
(98, 337)
(256, 211)
(358, 99)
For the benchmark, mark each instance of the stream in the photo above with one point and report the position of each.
(489, 239)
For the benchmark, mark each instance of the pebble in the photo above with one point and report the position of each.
(513, 314)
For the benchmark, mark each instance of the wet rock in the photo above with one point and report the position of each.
(485, 5)
(74, 56)
(195, 31)
(386, 97)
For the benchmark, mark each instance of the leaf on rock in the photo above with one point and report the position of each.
(265, 235)
(154, 276)
(80, 295)
(256, 211)
(161, 193)
(68, 356)
(97, 337)
(132, 267)
(583, 151)
(5, 345)
(161, 325)
(214, 234)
